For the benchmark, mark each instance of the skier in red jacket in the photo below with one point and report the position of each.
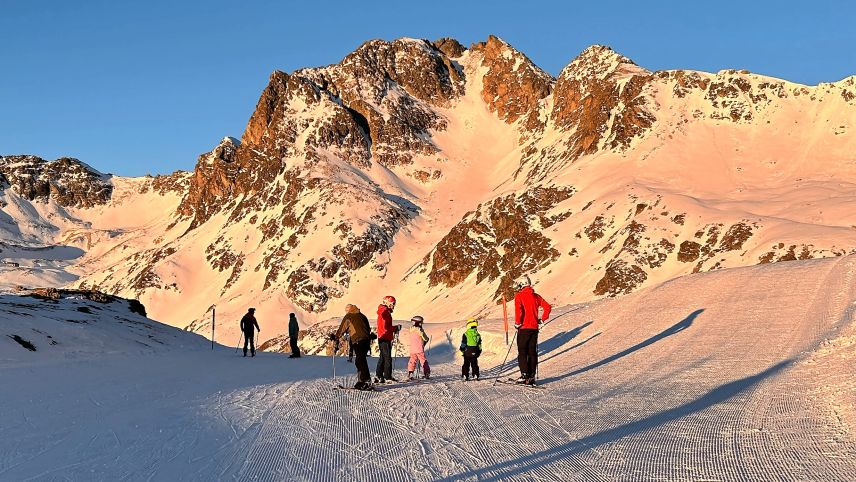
(385, 333)
(527, 320)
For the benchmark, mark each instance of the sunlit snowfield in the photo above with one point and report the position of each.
(744, 374)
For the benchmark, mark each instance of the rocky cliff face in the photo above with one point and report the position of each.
(440, 173)
(66, 181)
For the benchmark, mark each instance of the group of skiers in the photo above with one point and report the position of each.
(530, 311)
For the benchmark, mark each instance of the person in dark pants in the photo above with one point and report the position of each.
(527, 321)
(293, 332)
(248, 326)
(471, 349)
(356, 326)
(385, 333)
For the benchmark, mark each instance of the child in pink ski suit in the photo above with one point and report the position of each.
(416, 339)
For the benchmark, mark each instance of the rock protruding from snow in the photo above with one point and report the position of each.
(449, 46)
(213, 182)
(51, 324)
(513, 87)
(600, 100)
(66, 181)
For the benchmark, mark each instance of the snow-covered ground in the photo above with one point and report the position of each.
(736, 374)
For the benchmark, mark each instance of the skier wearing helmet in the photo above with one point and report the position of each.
(527, 321)
(385, 333)
(471, 348)
(417, 339)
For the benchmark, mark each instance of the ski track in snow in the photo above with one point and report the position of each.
(679, 382)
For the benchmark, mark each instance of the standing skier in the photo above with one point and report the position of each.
(471, 349)
(385, 333)
(293, 332)
(356, 326)
(417, 339)
(527, 321)
(248, 326)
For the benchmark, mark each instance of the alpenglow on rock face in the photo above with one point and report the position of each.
(66, 181)
(439, 173)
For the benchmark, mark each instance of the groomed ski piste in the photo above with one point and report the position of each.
(737, 374)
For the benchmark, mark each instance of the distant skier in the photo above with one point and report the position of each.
(356, 326)
(293, 332)
(385, 333)
(527, 321)
(416, 339)
(248, 326)
(471, 348)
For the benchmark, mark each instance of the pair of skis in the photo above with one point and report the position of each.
(514, 382)
(373, 388)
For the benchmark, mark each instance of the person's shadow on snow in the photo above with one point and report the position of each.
(674, 329)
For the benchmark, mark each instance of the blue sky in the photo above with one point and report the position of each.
(135, 87)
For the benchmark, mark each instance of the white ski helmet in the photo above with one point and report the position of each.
(522, 282)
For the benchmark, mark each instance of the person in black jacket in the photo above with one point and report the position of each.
(293, 332)
(248, 326)
(356, 325)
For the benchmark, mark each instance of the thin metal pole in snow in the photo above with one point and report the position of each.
(505, 317)
(335, 346)
(213, 321)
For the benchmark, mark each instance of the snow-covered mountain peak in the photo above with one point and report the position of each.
(599, 62)
(513, 87)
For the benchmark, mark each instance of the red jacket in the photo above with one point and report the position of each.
(384, 324)
(526, 304)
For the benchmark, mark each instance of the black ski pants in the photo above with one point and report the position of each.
(250, 339)
(527, 352)
(295, 350)
(471, 361)
(384, 363)
(361, 351)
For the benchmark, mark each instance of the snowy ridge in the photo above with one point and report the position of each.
(50, 326)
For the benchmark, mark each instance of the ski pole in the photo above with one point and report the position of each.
(241, 337)
(392, 352)
(501, 367)
(334, 362)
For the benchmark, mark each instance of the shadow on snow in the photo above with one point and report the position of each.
(525, 463)
(672, 330)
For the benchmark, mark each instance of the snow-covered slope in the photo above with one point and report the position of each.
(736, 374)
(439, 173)
(50, 326)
